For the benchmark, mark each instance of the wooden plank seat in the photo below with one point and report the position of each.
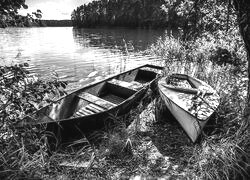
(96, 100)
(88, 110)
(133, 85)
(102, 103)
(96, 105)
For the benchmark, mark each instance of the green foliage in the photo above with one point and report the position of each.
(197, 17)
(192, 16)
(9, 10)
(136, 13)
(21, 94)
(205, 52)
(9, 15)
(38, 14)
(23, 150)
(8, 6)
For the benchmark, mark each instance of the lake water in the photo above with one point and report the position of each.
(77, 55)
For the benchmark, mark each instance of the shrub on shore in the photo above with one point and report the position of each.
(220, 60)
(23, 152)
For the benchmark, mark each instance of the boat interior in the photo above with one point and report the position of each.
(98, 97)
(180, 80)
(190, 94)
(186, 84)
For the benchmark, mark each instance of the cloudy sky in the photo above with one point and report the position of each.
(53, 9)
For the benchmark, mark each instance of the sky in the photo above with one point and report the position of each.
(53, 9)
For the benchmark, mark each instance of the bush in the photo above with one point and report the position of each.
(220, 60)
(23, 151)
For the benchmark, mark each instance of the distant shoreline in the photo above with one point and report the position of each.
(37, 23)
(57, 23)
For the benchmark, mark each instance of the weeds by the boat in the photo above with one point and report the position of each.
(118, 140)
(161, 149)
(153, 146)
(23, 153)
(158, 147)
(224, 153)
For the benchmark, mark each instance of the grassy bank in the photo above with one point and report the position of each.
(153, 145)
(220, 60)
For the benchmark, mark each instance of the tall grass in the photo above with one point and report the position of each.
(222, 153)
(220, 60)
(23, 151)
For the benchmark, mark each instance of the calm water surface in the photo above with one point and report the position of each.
(77, 55)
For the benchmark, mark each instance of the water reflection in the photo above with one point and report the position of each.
(117, 38)
(76, 53)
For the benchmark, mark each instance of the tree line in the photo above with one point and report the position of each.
(193, 16)
(131, 13)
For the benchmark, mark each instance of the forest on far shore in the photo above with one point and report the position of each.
(153, 14)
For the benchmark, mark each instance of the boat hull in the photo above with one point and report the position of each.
(73, 129)
(191, 125)
(94, 105)
(173, 98)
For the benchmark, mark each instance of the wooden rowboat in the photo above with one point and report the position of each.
(190, 100)
(88, 107)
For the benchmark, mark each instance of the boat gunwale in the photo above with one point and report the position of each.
(186, 90)
(89, 85)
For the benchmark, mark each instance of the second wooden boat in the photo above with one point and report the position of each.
(190, 100)
(88, 107)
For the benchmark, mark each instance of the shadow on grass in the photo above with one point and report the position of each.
(160, 148)
(171, 141)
